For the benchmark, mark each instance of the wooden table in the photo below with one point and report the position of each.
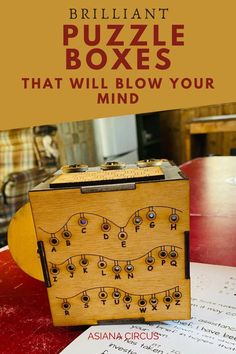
(203, 126)
(25, 320)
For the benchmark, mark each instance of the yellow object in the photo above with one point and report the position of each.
(22, 242)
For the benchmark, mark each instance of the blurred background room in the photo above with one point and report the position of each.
(30, 155)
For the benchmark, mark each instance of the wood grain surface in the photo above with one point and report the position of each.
(70, 225)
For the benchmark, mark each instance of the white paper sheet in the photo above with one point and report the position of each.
(212, 329)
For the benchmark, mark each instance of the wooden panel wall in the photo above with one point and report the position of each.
(77, 143)
(173, 128)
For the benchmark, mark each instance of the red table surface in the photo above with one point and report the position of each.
(25, 319)
(212, 209)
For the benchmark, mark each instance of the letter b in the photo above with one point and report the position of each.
(72, 59)
(73, 14)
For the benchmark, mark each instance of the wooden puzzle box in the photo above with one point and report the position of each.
(112, 242)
